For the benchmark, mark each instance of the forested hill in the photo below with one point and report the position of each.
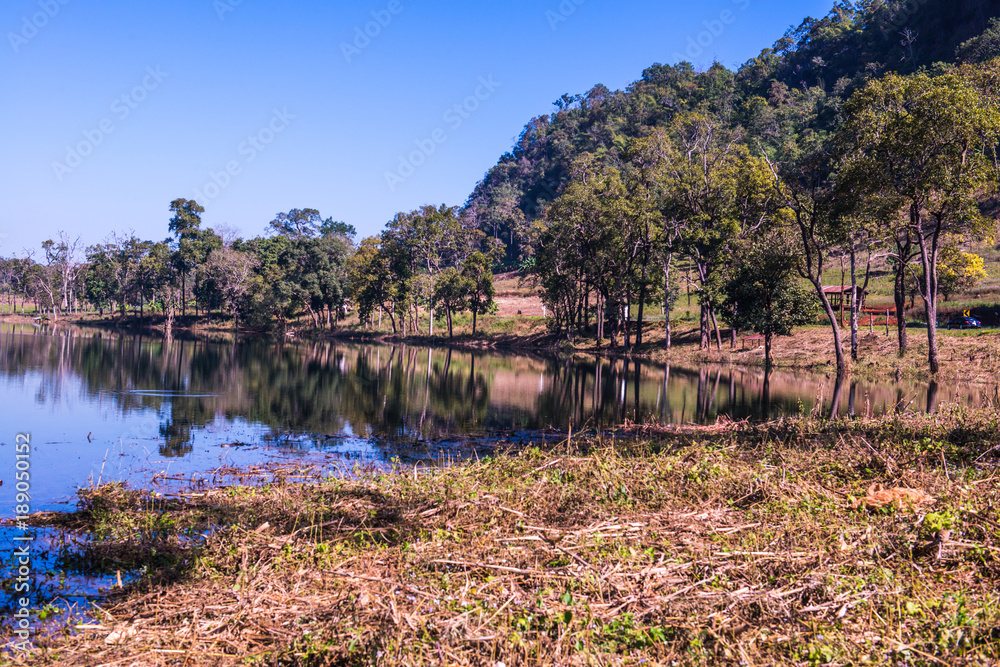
(791, 90)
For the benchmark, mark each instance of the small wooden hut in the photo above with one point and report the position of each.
(841, 297)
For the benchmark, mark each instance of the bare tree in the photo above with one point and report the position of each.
(62, 257)
(232, 272)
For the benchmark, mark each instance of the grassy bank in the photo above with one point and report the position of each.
(733, 544)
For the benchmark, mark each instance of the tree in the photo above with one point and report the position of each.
(267, 298)
(315, 273)
(232, 271)
(374, 281)
(298, 223)
(927, 146)
(161, 281)
(718, 192)
(99, 283)
(427, 240)
(761, 293)
(805, 187)
(331, 227)
(8, 280)
(983, 48)
(452, 292)
(127, 253)
(958, 271)
(583, 246)
(63, 262)
(197, 247)
(476, 270)
(184, 225)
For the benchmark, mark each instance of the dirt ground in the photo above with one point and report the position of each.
(514, 297)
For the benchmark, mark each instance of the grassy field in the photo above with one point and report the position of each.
(796, 543)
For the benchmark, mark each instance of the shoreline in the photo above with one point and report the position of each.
(972, 356)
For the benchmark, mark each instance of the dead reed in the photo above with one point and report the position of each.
(742, 545)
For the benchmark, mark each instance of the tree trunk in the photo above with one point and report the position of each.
(627, 313)
(715, 324)
(832, 315)
(475, 312)
(929, 289)
(899, 291)
(666, 296)
(854, 303)
(704, 337)
(642, 304)
(600, 318)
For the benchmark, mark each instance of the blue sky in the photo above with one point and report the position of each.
(113, 109)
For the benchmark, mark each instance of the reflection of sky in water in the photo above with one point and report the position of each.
(158, 415)
(122, 446)
(126, 408)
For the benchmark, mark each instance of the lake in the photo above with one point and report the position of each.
(172, 413)
(124, 407)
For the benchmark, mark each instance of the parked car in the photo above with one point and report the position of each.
(963, 322)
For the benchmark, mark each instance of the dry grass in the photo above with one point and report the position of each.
(732, 544)
(972, 356)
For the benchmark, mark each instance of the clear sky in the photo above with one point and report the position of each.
(112, 109)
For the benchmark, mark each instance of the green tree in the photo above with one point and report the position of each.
(374, 281)
(99, 283)
(298, 223)
(716, 192)
(927, 146)
(762, 293)
(426, 241)
(481, 292)
(452, 292)
(582, 246)
(184, 225)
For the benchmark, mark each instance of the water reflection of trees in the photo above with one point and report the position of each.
(404, 393)
(302, 388)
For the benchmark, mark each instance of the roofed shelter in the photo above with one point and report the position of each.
(840, 297)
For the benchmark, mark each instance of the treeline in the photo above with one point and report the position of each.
(305, 266)
(300, 268)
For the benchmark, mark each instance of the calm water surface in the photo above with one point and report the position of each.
(124, 407)
(103, 406)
